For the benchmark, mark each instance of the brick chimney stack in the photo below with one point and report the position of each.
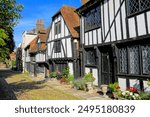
(39, 24)
(84, 1)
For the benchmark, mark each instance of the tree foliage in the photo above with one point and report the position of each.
(9, 17)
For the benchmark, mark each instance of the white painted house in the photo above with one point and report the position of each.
(63, 41)
(115, 39)
(27, 37)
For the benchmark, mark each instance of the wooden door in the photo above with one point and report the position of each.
(107, 68)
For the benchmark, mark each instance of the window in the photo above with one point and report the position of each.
(136, 59)
(146, 59)
(57, 28)
(91, 57)
(92, 19)
(123, 60)
(57, 46)
(135, 6)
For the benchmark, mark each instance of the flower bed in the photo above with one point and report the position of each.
(131, 93)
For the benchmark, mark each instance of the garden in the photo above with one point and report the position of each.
(85, 83)
(112, 90)
(131, 93)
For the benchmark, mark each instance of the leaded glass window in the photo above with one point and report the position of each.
(57, 46)
(146, 59)
(123, 60)
(135, 6)
(91, 57)
(134, 60)
(92, 19)
(57, 28)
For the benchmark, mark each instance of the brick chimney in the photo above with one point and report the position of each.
(39, 24)
(84, 1)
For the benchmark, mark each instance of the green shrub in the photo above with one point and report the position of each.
(79, 84)
(148, 82)
(145, 95)
(53, 75)
(65, 72)
(89, 77)
(70, 78)
(114, 87)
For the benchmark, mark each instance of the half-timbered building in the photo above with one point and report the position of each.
(40, 57)
(63, 41)
(36, 55)
(115, 39)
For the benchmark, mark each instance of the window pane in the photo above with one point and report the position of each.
(133, 6)
(57, 46)
(92, 19)
(91, 57)
(146, 59)
(123, 60)
(134, 59)
(144, 4)
(59, 27)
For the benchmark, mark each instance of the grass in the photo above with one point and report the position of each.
(26, 89)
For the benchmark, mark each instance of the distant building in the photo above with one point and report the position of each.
(27, 37)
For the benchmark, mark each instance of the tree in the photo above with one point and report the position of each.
(9, 17)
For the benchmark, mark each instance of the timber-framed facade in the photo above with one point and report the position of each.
(115, 41)
(63, 42)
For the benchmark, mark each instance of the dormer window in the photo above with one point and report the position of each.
(92, 19)
(57, 28)
(136, 6)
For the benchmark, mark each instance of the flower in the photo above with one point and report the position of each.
(136, 95)
(132, 89)
(131, 93)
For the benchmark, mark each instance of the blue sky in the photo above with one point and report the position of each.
(38, 9)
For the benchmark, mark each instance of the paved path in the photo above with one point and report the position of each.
(7, 90)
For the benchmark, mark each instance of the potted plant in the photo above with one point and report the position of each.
(89, 79)
(115, 89)
(79, 84)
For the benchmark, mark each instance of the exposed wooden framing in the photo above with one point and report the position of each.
(146, 23)
(114, 19)
(120, 12)
(109, 18)
(121, 22)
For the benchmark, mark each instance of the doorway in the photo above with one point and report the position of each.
(107, 66)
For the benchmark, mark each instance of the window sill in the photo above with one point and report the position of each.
(134, 75)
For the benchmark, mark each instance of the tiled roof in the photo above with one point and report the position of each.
(33, 46)
(71, 19)
(42, 35)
